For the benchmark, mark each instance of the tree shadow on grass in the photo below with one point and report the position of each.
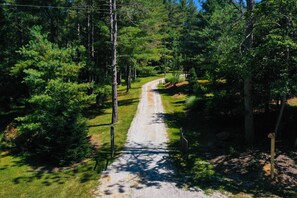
(43, 173)
(94, 110)
(224, 164)
(98, 125)
(125, 102)
(49, 174)
(128, 102)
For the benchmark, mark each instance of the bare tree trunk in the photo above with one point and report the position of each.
(128, 80)
(130, 77)
(281, 112)
(92, 46)
(248, 103)
(248, 106)
(89, 45)
(113, 27)
(135, 74)
(106, 70)
(92, 35)
(267, 98)
(119, 78)
(78, 31)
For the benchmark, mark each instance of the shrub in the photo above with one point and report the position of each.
(171, 79)
(102, 93)
(221, 102)
(191, 102)
(9, 136)
(146, 71)
(198, 89)
(202, 171)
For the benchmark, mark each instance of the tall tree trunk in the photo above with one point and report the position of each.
(119, 77)
(78, 28)
(92, 46)
(92, 34)
(248, 107)
(267, 98)
(248, 102)
(89, 34)
(113, 28)
(128, 80)
(135, 74)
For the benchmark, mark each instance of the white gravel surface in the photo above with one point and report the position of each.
(144, 169)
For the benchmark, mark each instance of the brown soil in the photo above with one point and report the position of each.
(150, 96)
(169, 85)
(178, 96)
(95, 140)
(251, 170)
(292, 101)
(182, 83)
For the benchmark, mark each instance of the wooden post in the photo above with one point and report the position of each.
(184, 145)
(272, 136)
(112, 141)
(272, 153)
(181, 133)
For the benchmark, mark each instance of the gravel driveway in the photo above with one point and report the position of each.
(144, 169)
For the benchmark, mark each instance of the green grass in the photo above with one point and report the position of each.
(99, 125)
(174, 107)
(198, 170)
(20, 177)
(200, 128)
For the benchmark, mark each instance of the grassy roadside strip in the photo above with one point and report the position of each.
(202, 170)
(196, 169)
(23, 178)
(173, 104)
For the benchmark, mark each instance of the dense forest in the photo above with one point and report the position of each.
(239, 59)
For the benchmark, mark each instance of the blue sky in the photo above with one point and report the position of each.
(198, 4)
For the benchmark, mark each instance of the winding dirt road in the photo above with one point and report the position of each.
(144, 169)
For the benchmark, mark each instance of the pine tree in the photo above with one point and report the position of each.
(54, 128)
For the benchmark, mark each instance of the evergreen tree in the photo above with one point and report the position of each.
(192, 80)
(54, 128)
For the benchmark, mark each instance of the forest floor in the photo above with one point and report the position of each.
(218, 157)
(144, 168)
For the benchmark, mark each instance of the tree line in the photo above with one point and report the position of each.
(252, 46)
(56, 58)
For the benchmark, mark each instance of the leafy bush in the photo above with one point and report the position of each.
(146, 71)
(202, 171)
(221, 101)
(171, 79)
(102, 93)
(191, 102)
(198, 89)
(7, 139)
